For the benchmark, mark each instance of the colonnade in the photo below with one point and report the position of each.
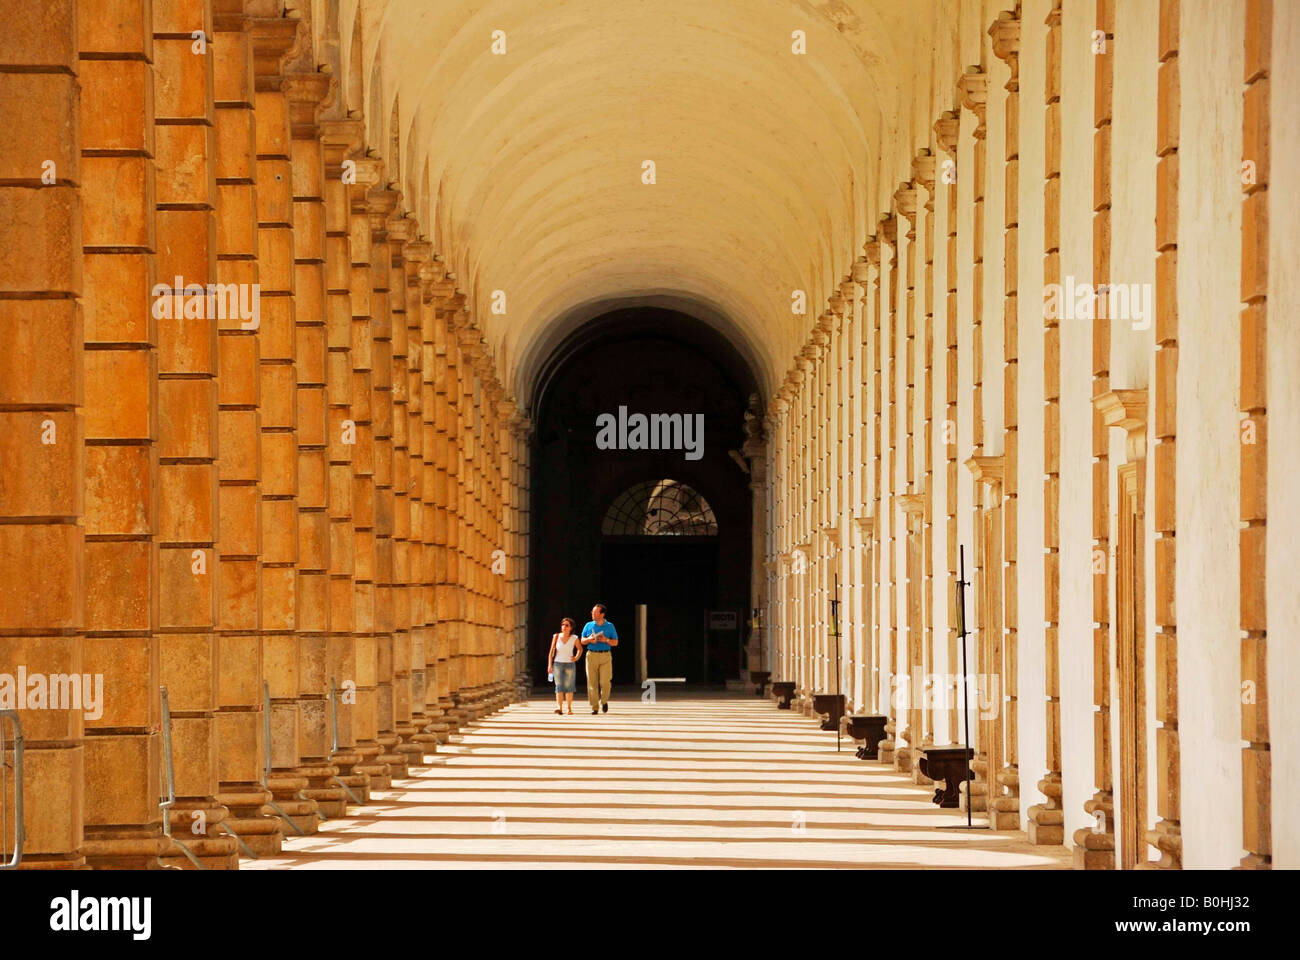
(959, 397)
(306, 519)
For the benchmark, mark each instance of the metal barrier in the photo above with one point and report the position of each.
(20, 833)
(169, 772)
(334, 727)
(266, 767)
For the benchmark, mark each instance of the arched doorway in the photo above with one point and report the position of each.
(639, 499)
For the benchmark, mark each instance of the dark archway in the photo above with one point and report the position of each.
(647, 361)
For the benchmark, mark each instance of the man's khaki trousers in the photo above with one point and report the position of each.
(600, 674)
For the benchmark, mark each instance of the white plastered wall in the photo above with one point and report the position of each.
(1076, 629)
(1132, 353)
(1207, 585)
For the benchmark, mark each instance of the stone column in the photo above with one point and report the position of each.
(1256, 769)
(911, 502)
(946, 130)
(923, 173)
(1098, 843)
(437, 590)
(912, 507)
(271, 41)
(241, 533)
(291, 658)
(393, 516)
(871, 250)
(889, 309)
(123, 826)
(972, 89)
(1005, 35)
(41, 425)
(1046, 820)
(188, 445)
(370, 212)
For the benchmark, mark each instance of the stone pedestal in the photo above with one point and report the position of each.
(1047, 820)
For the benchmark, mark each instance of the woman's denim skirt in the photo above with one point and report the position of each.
(566, 677)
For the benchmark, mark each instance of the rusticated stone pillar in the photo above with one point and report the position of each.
(421, 316)
(911, 515)
(436, 373)
(241, 533)
(1005, 35)
(890, 656)
(945, 137)
(123, 819)
(392, 514)
(1099, 841)
(1256, 768)
(294, 720)
(1047, 819)
(188, 429)
(370, 315)
(272, 39)
(923, 171)
(41, 377)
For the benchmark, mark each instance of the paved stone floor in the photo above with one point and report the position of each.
(728, 781)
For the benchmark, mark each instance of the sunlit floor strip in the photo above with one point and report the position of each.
(725, 782)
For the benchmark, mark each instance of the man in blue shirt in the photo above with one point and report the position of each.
(599, 637)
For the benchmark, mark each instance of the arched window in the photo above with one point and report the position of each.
(660, 508)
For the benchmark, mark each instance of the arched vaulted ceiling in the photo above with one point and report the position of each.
(525, 168)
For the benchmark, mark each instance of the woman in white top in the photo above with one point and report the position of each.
(561, 663)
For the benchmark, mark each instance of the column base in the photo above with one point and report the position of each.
(1093, 851)
(396, 760)
(286, 789)
(106, 849)
(1006, 808)
(917, 776)
(214, 848)
(1047, 820)
(903, 759)
(252, 820)
(331, 799)
(973, 796)
(380, 773)
(1166, 836)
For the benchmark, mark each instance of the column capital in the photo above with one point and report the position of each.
(341, 138)
(973, 86)
(1126, 410)
(905, 201)
(275, 41)
(871, 250)
(923, 170)
(370, 173)
(380, 204)
(945, 132)
(986, 469)
(308, 93)
(888, 230)
(417, 251)
(400, 230)
(1005, 34)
